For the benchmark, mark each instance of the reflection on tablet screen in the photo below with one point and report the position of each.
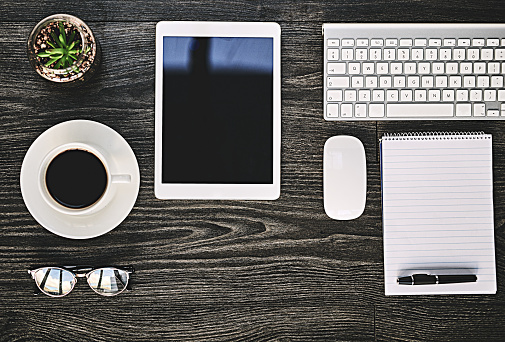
(217, 110)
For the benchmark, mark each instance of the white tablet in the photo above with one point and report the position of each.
(218, 111)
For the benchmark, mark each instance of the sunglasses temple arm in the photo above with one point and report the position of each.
(36, 290)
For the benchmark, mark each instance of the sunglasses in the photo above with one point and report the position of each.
(59, 281)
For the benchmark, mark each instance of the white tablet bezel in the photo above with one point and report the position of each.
(218, 191)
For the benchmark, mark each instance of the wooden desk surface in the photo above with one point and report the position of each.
(223, 270)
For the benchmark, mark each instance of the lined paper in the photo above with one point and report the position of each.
(437, 199)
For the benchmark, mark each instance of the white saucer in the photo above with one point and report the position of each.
(122, 160)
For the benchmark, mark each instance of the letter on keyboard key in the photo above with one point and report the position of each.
(419, 110)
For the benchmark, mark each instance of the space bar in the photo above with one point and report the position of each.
(414, 110)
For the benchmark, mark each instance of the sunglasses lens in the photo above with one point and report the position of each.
(108, 281)
(54, 281)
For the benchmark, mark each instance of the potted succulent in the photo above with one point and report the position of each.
(62, 49)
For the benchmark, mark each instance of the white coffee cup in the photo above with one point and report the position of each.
(105, 197)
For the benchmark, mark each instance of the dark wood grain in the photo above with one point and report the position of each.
(222, 270)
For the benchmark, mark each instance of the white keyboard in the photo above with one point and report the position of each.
(414, 71)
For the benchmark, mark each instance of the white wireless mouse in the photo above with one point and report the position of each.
(344, 177)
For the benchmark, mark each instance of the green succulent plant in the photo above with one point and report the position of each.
(64, 51)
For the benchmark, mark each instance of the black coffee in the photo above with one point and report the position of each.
(76, 178)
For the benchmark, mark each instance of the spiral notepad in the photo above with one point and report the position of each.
(437, 200)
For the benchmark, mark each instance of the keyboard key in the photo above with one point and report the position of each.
(403, 54)
(493, 68)
(354, 68)
(479, 109)
(382, 68)
(377, 42)
(493, 112)
(362, 42)
(473, 54)
(459, 54)
(435, 42)
(451, 68)
(420, 95)
(392, 95)
(486, 54)
(399, 81)
(333, 42)
(360, 110)
(463, 109)
(336, 68)
(417, 54)
(376, 110)
(368, 68)
(378, 95)
(413, 110)
(364, 95)
(397, 68)
(405, 42)
(469, 81)
(493, 42)
(361, 54)
(347, 42)
(375, 54)
(490, 95)
(410, 68)
(350, 95)
(497, 81)
(347, 54)
(371, 82)
(463, 42)
(391, 42)
(420, 42)
(332, 110)
(483, 81)
(406, 95)
(357, 81)
(338, 82)
(499, 54)
(448, 95)
(334, 95)
(475, 95)
(333, 54)
(445, 54)
(434, 95)
(427, 81)
(424, 68)
(346, 110)
(431, 54)
(438, 68)
(441, 81)
(462, 95)
(466, 68)
(389, 54)
(413, 82)
(450, 42)
(455, 81)
(479, 68)
(478, 42)
(385, 81)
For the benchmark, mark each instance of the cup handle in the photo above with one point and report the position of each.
(121, 178)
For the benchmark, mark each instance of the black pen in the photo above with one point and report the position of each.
(430, 279)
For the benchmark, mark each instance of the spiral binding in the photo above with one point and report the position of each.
(436, 136)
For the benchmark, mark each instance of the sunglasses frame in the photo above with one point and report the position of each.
(82, 272)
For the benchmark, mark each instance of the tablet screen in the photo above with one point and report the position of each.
(217, 116)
